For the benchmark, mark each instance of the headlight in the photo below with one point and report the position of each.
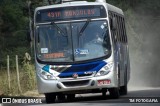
(105, 70)
(46, 75)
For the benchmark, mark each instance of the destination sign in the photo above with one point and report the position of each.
(68, 13)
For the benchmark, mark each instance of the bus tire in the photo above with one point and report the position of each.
(70, 97)
(50, 97)
(124, 89)
(61, 97)
(104, 93)
(114, 93)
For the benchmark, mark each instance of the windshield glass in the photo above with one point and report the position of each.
(78, 41)
(52, 44)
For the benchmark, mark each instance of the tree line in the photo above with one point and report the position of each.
(14, 22)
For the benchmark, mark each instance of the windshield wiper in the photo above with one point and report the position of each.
(53, 23)
(82, 30)
(84, 27)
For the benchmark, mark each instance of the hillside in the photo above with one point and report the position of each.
(143, 30)
(143, 23)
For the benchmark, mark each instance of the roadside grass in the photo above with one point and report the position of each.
(27, 80)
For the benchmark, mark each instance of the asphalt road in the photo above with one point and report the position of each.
(97, 100)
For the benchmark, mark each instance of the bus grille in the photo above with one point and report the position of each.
(76, 83)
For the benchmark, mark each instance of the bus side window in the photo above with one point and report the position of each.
(110, 22)
(115, 29)
(118, 30)
(123, 29)
(122, 35)
(115, 32)
(114, 23)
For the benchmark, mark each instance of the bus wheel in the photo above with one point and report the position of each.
(123, 90)
(70, 97)
(104, 93)
(50, 97)
(61, 97)
(114, 93)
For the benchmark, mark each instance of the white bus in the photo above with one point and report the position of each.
(80, 47)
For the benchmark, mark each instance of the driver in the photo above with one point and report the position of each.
(94, 46)
(98, 39)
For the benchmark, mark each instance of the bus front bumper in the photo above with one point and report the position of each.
(79, 84)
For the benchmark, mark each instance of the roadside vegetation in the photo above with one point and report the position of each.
(14, 25)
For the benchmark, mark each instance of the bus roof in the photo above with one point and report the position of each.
(83, 3)
(114, 9)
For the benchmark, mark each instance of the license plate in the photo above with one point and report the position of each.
(104, 82)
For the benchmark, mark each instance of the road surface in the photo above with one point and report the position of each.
(98, 100)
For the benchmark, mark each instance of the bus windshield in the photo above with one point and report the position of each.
(72, 42)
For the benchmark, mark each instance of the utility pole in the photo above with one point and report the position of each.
(8, 73)
(18, 79)
(30, 23)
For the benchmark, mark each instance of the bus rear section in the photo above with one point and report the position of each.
(74, 51)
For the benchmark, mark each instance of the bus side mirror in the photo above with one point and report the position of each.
(113, 24)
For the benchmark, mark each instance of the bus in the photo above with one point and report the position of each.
(80, 47)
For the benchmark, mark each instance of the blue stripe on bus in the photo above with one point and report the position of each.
(46, 68)
(81, 68)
